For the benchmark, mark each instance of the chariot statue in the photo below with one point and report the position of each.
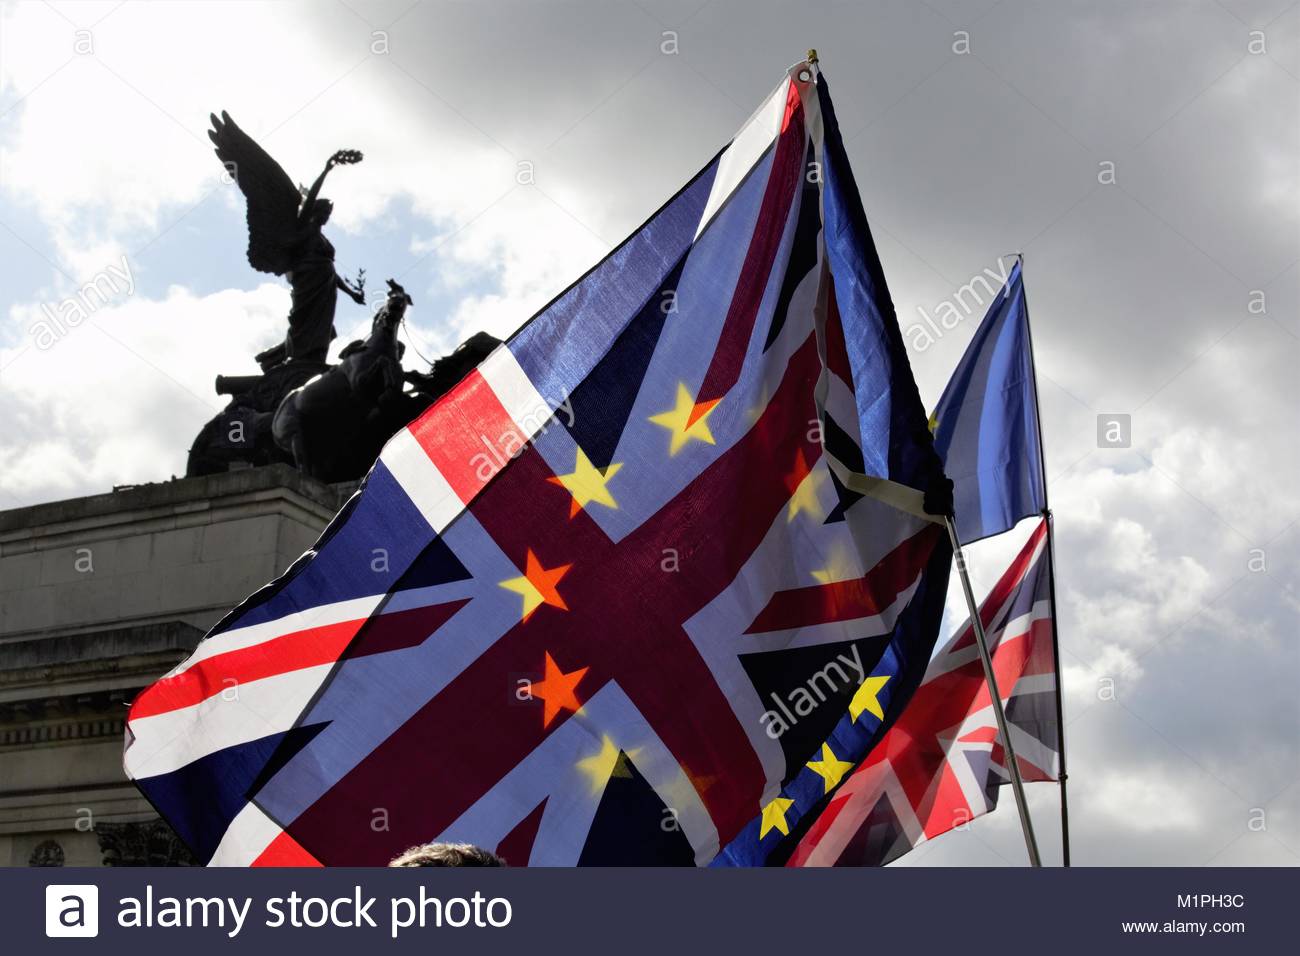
(328, 421)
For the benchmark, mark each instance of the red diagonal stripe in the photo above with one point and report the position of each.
(866, 596)
(284, 850)
(517, 845)
(1007, 584)
(782, 183)
(469, 435)
(837, 350)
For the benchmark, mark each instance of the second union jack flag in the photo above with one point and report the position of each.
(941, 765)
(640, 589)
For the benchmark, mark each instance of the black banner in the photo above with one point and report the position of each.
(193, 911)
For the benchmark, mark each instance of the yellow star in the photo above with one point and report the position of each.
(587, 484)
(774, 817)
(803, 483)
(839, 567)
(830, 768)
(934, 421)
(686, 420)
(607, 763)
(868, 698)
(537, 585)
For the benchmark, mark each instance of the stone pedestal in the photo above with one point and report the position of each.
(99, 596)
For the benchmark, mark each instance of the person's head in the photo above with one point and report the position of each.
(447, 854)
(321, 210)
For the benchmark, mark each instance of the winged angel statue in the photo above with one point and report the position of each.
(285, 238)
(329, 421)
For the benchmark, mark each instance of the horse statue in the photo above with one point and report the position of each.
(330, 421)
(443, 375)
(327, 424)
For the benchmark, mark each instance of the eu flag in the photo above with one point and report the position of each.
(986, 424)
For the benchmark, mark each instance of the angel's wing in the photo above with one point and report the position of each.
(272, 196)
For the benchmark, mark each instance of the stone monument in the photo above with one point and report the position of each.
(99, 597)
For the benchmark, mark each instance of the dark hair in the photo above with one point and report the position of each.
(447, 854)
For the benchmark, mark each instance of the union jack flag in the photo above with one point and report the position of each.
(571, 604)
(941, 765)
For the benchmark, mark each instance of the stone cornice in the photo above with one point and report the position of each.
(180, 502)
(57, 678)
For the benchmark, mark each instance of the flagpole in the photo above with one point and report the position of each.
(1008, 749)
(1062, 776)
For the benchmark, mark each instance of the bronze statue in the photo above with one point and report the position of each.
(285, 238)
(336, 424)
(332, 424)
(329, 421)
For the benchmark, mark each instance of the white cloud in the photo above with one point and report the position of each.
(1157, 800)
(119, 398)
(524, 270)
(107, 146)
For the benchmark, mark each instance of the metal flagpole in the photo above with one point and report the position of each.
(1008, 749)
(1062, 776)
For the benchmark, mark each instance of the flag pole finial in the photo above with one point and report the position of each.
(812, 57)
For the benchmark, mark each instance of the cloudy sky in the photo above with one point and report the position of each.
(1144, 157)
